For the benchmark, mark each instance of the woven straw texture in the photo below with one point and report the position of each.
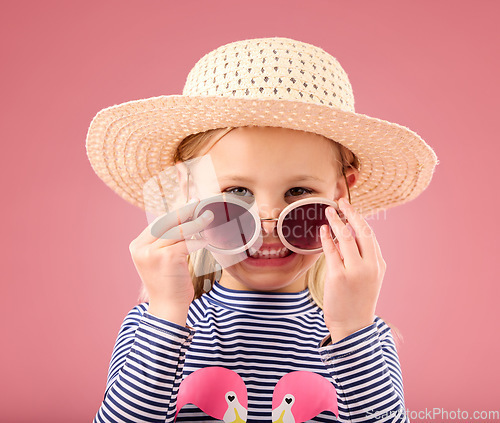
(263, 82)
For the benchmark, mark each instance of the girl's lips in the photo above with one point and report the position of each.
(271, 246)
(265, 262)
(268, 247)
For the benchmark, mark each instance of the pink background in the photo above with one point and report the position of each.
(68, 279)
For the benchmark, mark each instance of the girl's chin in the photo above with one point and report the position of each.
(261, 284)
(280, 274)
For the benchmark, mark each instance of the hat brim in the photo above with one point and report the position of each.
(130, 143)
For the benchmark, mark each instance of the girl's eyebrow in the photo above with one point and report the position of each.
(297, 178)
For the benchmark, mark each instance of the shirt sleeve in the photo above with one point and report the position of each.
(367, 376)
(145, 369)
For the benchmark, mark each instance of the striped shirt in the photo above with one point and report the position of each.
(260, 338)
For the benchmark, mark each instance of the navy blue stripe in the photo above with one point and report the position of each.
(259, 336)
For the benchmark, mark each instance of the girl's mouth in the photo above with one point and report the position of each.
(272, 253)
(270, 257)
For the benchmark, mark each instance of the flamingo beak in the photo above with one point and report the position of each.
(238, 418)
(280, 420)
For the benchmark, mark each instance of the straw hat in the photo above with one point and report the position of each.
(264, 82)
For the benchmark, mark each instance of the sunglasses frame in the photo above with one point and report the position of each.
(232, 199)
(252, 209)
(300, 203)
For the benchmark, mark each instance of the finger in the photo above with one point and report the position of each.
(336, 242)
(165, 222)
(187, 229)
(187, 246)
(332, 254)
(364, 234)
(378, 251)
(347, 243)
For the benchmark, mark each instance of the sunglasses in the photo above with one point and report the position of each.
(237, 226)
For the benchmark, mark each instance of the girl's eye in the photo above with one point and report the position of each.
(298, 191)
(240, 191)
(295, 191)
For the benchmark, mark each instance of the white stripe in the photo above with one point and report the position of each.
(269, 350)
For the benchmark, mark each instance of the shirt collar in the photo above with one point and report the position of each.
(263, 303)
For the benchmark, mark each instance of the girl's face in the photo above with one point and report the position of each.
(275, 166)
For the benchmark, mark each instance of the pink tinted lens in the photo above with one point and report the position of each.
(301, 226)
(233, 226)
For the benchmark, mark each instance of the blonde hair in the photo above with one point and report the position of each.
(202, 260)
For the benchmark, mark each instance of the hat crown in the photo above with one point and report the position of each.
(272, 68)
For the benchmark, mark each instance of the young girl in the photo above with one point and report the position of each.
(278, 335)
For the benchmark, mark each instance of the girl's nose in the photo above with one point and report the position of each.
(269, 226)
(269, 208)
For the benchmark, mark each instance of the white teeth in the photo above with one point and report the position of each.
(282, 252)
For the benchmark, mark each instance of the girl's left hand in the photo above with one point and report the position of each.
(354, 275)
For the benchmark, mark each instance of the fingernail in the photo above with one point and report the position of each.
(207, 215)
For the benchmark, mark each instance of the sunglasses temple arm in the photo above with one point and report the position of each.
(347, 185)
(187, 188)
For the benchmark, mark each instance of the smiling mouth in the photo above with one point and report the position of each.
(271, 253)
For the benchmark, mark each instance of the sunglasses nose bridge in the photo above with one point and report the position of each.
(268, 224)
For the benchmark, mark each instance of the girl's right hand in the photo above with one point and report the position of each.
(160, 255)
